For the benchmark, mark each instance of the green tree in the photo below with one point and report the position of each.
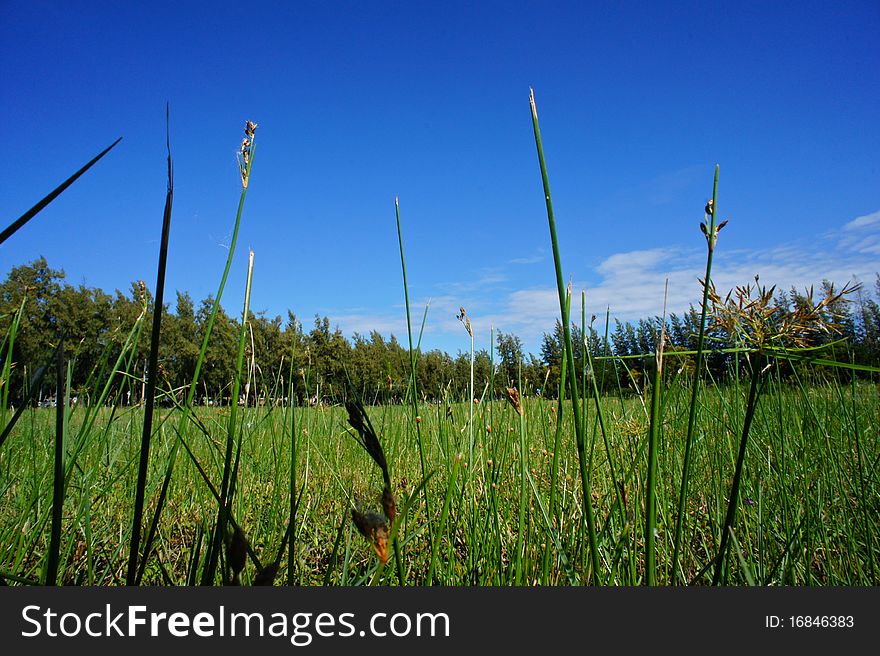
(511, 356)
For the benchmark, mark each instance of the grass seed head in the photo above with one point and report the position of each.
(463, 317)
(245, 151)
(236, 553)
(513, 398)
(367, 438)
(752, 316)
(374, 527)
(266, 576)
(389, 505)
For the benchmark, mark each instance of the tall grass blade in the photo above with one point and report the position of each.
(291, 524)
(53, 557)
(572, 373)
(187, 408)
(232, 430)
(560, 420)
(9, 346)
(757, 373)
(152, 368)
(414, 390)
(31, 213)
(692, 410)
(653, 445)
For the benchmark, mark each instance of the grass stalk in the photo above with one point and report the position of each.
(233, 431)
(711, 238)
(653, 446)
(554, 468)
(52, 195)
(9, 347)
(414, 384)
(523, 491)
(572, 374)
(152, 369)
(291, 552)
(183, 425)
(757, 376)
(61, 392)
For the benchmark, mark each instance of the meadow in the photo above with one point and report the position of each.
(808, 508)
(768, 477)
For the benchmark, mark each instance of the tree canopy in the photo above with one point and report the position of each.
(283, 358)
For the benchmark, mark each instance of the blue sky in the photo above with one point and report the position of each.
(360, 102)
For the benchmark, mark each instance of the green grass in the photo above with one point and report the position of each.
(762, 480)
(808, 508)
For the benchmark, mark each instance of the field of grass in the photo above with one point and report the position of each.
(808, 508)
(765, 479)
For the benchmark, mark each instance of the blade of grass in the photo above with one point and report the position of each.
(653, 445)
(152, 367)
(52, 562)
(36, 209)
(187, 408)
(9, 346)
(572, 373)
(414, 388)
(757, 377)
(291, 553)
(232, 431)
(692, 410)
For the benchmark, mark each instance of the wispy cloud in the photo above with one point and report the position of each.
(484, 279)
(632, 283)
(862, 234)
(531, 259)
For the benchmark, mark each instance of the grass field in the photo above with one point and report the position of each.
(808, 508)
(769, 478)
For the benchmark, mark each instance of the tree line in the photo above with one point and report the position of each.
(284, 359)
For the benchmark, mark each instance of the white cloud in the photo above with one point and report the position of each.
(862, 234)
(531, 259)
(631, 284)
(863, 221)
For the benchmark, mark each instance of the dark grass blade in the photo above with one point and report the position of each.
(154, 524)
(733, 501)
(191, 572)
(293, 456)
(152, 371)
(367, 437)
(58, 485)
(36, 209)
